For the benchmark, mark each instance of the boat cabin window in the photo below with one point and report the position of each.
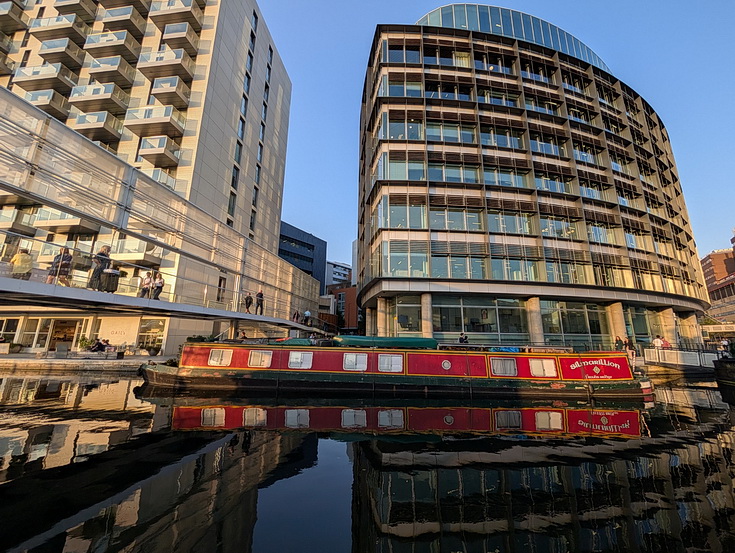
(297, 418)
(254, 416)
(506, 420)
(391, 418)
(213, 416)
(503, 366)
(355, 362)
(354, 418)
(220, 357)
(543, 367)
(260, 359)
(549, 420)
(390, 363)
(300, 359)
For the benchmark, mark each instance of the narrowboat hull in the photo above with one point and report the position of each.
(399, 373)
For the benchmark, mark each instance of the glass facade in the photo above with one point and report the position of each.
(515, 169)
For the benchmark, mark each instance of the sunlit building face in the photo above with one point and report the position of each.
(513, 189)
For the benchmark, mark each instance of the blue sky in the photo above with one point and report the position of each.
(675, 53)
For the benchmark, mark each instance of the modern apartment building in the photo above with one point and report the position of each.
(305, 251)
(189, 92)
(512, 188)
(338, 273)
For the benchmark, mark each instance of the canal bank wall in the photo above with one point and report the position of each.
(128, 364)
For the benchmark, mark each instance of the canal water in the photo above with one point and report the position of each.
(97, 463)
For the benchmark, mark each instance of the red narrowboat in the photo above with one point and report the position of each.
(389, 367)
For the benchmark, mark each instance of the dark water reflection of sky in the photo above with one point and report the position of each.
(88, 464)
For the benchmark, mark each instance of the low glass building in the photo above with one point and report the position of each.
(513, 189)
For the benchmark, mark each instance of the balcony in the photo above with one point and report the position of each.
(158, 175)
(171, 91)
(181, 35)
(115, 43)
(41, 77)
(63, 26)
(161, 151)
(7, 66)
(6, 43)
(51, 102)
(100, 97)
(132, 250)
(112, 70)
(141, 6)
(168, 63)
(155, 120)
(53, 220)
(16, 220)
(84, 9)
(164, 12)
(100, 125)
(125, 19)
(63, 51)
(12, 18)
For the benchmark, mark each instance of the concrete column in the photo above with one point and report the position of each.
(535, 323)
(232, 331)
(427, 322)
(382, 315)
(616, 320)
(369, 315)
(667, 321)
(691, 332)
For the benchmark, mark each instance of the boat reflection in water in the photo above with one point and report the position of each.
(202, 473)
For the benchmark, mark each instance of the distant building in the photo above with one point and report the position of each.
(717, 265)
(346, 306)
(338, 273)
(305, 251)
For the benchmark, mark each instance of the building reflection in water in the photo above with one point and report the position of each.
(533, 481)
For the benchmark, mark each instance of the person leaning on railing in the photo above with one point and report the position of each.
(22, 263)
(60, 268)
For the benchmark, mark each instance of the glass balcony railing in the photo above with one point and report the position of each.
(155, 112)
(167, 56)
(158, 143)
(573, 88)
(5, 43)
(68, 20)
(99, 117)
(48, 70)
(163, 5)
(105, 38)
(57, 44)
(113, 63)
(47, 214)
(17, 217)
(167, 83)
(175, 28)
(135, 246)
(125, 11)
(100, 90)
(161, 176)
(535, 77)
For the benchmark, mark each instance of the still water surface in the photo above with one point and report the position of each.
(93, 463)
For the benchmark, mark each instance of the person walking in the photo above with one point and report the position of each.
(100, 261)
(259, 302)
(158, 284)
(146, 284)
(60, 268)
(22, 263)
(248, 302)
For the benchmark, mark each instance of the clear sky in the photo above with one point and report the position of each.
(677, 54)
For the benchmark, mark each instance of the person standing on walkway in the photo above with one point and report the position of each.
(60, 267)
(100, 261)
(631, 351)
(22, 263)
(619, 344)
(657, 342)
(259, 302)
(158, 284)
(248, 302)
(146, 284)
(307, 317)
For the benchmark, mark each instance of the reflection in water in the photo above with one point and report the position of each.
(87, 466)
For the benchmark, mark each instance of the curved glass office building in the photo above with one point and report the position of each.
(513, 189)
